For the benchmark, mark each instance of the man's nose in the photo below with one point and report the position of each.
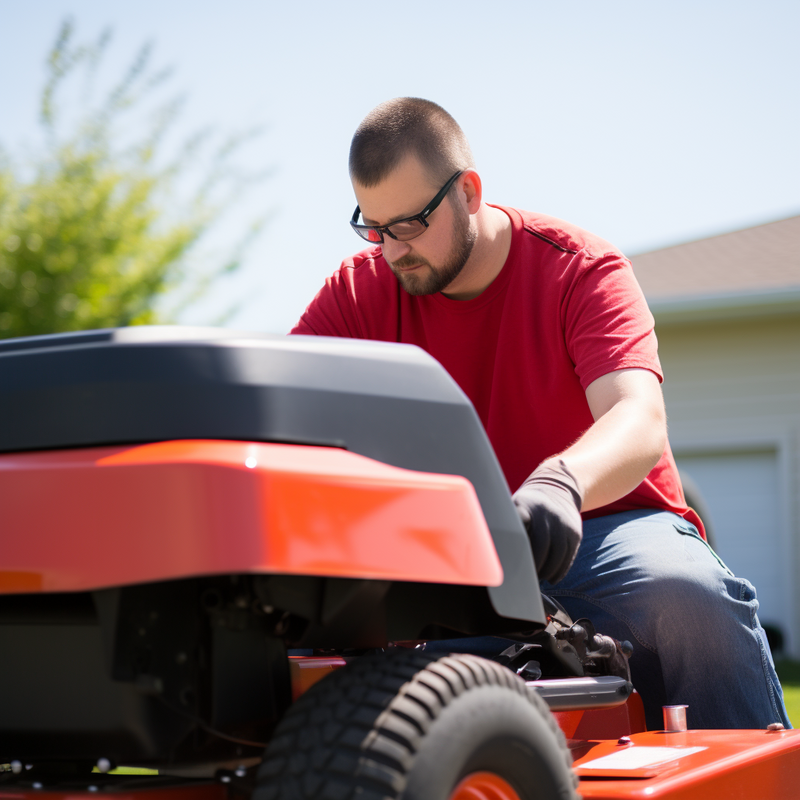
(393, 250)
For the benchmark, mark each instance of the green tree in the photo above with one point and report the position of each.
(91, 232)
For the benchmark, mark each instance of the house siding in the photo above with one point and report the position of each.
(734, 387)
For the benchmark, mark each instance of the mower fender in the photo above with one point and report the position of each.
(172, 507)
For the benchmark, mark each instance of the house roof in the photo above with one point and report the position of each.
(747, 272)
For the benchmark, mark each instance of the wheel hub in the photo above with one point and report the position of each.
(484, 786)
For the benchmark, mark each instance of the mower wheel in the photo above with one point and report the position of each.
(417, 727)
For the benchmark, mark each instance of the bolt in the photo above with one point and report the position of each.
(37, 785)
(624, 740)
(225, 778)
(92, 788)
(16, 767)
(241, 771)
(774, 727)
(103, 765)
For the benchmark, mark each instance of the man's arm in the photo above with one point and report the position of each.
(607, 462)
(625, 442)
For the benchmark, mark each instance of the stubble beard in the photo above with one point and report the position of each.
(436, 279)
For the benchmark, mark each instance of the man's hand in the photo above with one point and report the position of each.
(549, 505)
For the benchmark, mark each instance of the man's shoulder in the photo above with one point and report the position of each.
(563, 236)
(362, 279)
(364, 271)
(353, 300)
(364, 262)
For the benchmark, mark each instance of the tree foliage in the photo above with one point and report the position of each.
(91, 232)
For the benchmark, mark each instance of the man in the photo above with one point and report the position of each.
(546, 330)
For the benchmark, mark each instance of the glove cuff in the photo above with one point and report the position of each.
(556, 473)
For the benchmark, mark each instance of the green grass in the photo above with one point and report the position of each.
(130, 771)
(789, 673)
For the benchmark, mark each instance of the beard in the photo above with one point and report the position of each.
(437, 278)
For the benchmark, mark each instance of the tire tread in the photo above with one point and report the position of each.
(355, 734)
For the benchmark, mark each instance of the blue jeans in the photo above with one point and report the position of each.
(648, 577)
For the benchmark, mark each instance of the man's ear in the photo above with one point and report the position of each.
(473, 190)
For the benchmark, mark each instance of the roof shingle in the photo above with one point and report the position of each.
(762, 258)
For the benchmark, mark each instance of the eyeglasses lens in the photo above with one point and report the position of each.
(402, 231)
(407, 230)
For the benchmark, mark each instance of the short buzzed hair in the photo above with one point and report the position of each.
(408, 126)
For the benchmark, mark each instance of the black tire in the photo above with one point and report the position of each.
(412, 725)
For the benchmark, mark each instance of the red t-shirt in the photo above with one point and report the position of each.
(564, 310)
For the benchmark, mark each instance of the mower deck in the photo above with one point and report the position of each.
(692, 765)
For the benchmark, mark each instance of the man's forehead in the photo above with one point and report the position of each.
(404, 192)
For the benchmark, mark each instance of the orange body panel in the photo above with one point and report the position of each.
(604, 723)
(77, 520)
(727, 765)
(305, 671)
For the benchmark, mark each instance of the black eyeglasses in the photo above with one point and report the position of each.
(403, 229)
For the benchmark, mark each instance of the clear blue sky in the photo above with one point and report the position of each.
(650, 123)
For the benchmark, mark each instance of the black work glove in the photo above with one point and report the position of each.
(549, 505)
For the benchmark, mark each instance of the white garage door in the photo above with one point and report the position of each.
(741, 492)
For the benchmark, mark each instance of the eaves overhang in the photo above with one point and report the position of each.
(781, 302)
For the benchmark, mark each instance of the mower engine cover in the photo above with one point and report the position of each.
(390, 402)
